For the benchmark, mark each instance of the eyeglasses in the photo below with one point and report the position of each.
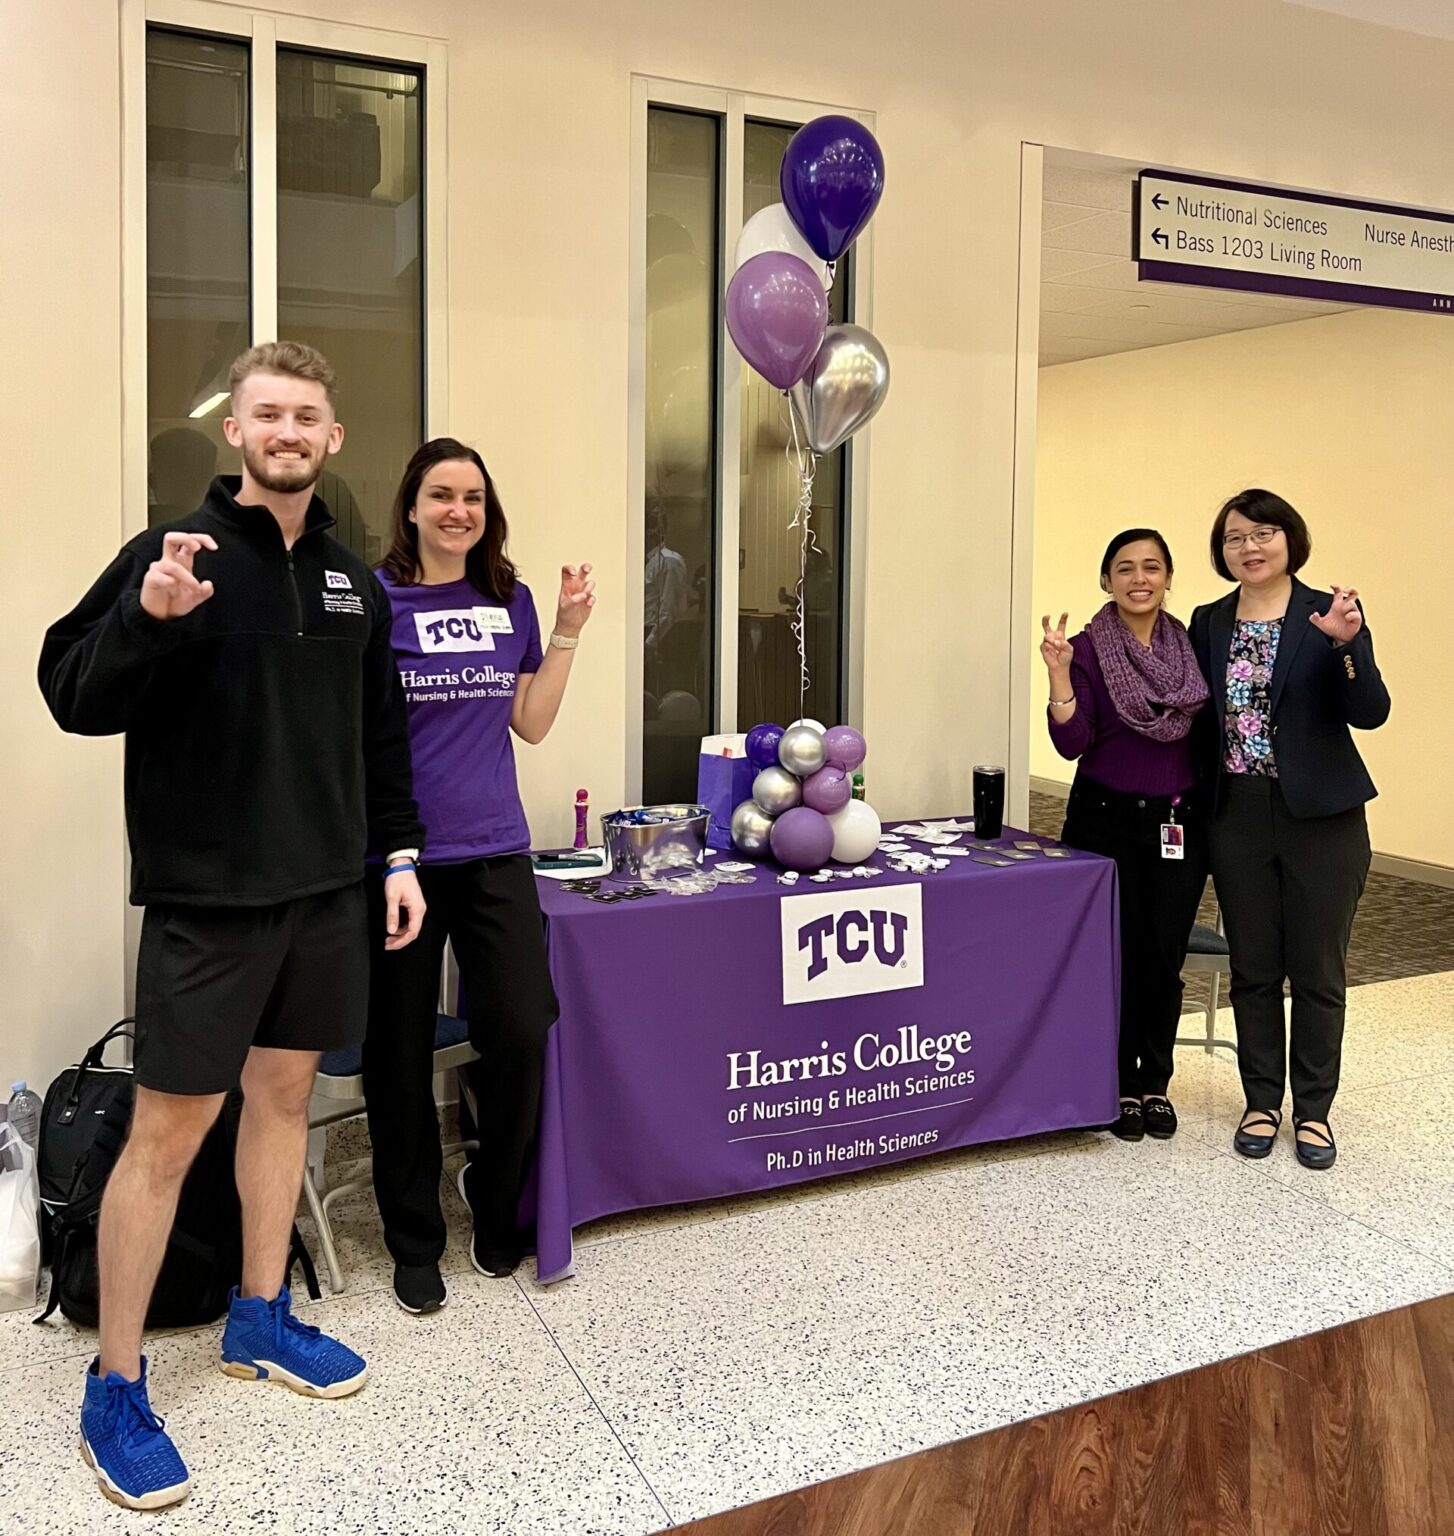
(1258, 536)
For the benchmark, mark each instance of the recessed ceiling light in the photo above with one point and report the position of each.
(1140, 306)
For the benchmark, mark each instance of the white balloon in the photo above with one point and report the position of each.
(772, 229)
(816, 725)
(856, 830)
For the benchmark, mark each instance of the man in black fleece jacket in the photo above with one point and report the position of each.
(246, 655)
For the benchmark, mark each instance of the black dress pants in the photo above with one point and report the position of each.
(1158, 906)
(1289, 888)
(489, 910)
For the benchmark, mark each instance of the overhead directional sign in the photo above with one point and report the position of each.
(1218, 234)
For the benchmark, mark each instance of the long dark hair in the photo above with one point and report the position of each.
(489, 569)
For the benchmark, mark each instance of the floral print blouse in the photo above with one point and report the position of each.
(1249, 690)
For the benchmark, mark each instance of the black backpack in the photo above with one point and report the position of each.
(83, 1127)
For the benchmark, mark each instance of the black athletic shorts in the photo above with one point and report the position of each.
(212, 982)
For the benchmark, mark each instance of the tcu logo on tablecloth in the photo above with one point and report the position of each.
(850, 942)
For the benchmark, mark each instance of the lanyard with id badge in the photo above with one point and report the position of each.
(1173, 845)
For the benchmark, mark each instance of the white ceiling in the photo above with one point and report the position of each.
(1091, 301)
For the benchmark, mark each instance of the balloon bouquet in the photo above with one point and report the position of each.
(802, 807)
(835, 377)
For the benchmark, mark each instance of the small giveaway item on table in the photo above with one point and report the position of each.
(802, 809)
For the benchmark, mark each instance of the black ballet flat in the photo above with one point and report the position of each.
(1319, 1154)
(1250, 1145)
(1130, 1124)
(1160, 1118)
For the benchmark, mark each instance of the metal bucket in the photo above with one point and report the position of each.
(675, 840)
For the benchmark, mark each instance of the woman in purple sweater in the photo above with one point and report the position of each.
(1123, 695)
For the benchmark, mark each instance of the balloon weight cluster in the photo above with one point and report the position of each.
(802, 809)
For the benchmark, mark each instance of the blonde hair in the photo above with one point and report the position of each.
(295, 358)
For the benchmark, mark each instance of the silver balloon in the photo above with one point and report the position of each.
(751, 828)
(776, 791)
(843, 387)
(801, 751)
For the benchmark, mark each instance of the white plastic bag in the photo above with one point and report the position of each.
(19, 1231)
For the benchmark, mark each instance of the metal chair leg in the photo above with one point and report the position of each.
(336, 1282)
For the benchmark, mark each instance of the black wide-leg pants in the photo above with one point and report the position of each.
(490, 912)
(1289, 888)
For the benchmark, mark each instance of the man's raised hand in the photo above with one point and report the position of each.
(169, 590)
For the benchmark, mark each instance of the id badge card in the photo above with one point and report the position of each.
(1172, 845)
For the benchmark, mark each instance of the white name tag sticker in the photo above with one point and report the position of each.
(494, 621)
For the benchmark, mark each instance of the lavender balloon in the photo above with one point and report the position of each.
(777, 313)
(845, 747)
(802, 839)
(828, 790)
(832, 178)
(762, 745)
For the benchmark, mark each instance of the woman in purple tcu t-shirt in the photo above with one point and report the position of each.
(1123, 695)
(473, 670)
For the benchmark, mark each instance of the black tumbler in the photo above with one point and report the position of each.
(989, 802)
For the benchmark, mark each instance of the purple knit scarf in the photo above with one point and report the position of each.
(1156, 691)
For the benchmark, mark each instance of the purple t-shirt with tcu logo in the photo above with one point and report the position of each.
(459, 656)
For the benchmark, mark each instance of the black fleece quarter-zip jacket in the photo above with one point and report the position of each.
(267, 742)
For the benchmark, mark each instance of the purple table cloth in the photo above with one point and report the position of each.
(763, 1035)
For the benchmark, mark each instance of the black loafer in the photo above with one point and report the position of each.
(1130, 1124)
(1319, 1154)
(419, 1288)
(1248, 1142)
(1160, 1118)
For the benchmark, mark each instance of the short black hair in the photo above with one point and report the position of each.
(1134, 536)
(1265, 509)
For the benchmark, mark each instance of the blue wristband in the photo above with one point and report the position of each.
(398, 869)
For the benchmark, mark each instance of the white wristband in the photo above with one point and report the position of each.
(565, 642)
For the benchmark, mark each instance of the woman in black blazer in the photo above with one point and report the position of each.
(1290, 670)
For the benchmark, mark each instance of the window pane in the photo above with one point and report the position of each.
(767, 663)
(682, 239)
(197, 317)
(350, 269)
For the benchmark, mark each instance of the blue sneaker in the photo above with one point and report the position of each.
(263, 1341)
(126, 1445)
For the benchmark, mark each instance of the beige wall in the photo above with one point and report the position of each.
(540, 94)
(1348, 418)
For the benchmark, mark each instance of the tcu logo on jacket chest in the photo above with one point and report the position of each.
(848, 943)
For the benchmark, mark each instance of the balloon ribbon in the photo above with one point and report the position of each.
(805, 461)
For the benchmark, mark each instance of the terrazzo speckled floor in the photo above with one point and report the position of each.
(709, 1356)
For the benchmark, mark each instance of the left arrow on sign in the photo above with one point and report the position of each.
(1160, 238)
(1159, 201)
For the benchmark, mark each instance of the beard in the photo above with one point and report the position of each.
(283, 478)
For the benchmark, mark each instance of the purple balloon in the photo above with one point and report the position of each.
(802, 839)
(777, 313)
(762, 742)
(832, 178)
(828, 790)
(845, 747)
